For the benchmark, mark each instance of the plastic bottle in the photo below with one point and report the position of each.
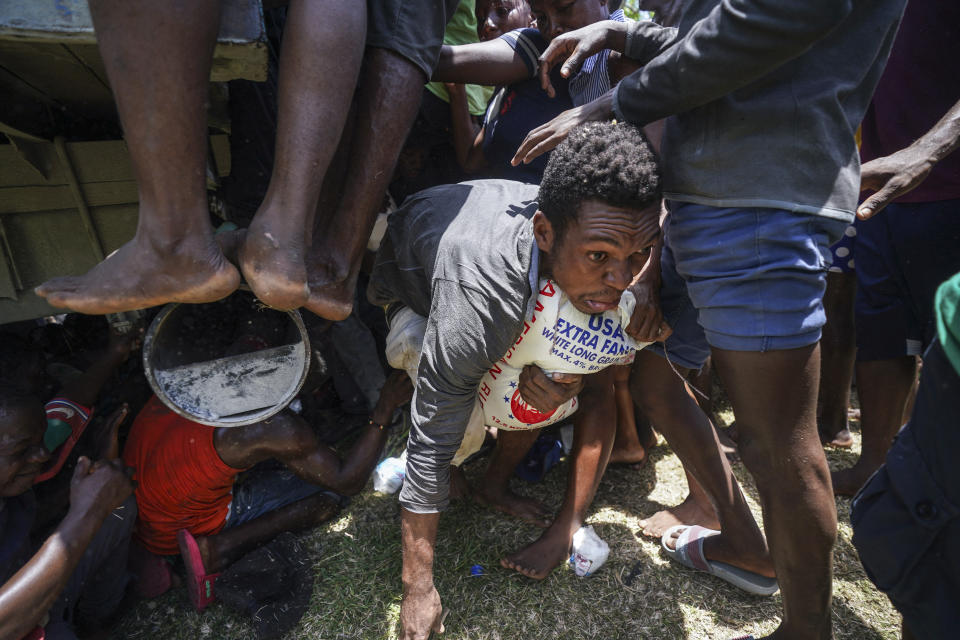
(589, 552)
(389, 474)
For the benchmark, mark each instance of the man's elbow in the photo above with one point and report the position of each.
(822, 16)
(350, 485)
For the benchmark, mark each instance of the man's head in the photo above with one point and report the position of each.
(555, 17)
(497, 17)
(599, 210)
(22, 454)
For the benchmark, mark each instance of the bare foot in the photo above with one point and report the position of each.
(843, 439)
(543, 556)
(459, 487)
(687, 512)
(140, 274)
(508, 502)
(272, 262)
(331, 288)
(719, 549)
(635, 457)
(847, 482)
(649, 439)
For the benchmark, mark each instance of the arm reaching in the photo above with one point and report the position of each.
(899, 173)
(85, 389)
(95, 491)
(467, 136)
(289, 439)
(420, 611)
(738, 42)
(493, 62)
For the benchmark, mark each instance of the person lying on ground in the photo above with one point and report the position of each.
(192, 503)
(79, 572)
(739, 177)
(469, 258)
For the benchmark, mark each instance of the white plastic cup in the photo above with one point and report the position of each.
(389, 474)
(589, 552)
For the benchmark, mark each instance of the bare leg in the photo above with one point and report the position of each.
(592, 441)
(884, 386)
(774, 395)
(149, 48)
(388, 97)
(220, 550)
(319, 66)
(838, 351)
(715, 497)
(627, 448)
(157, 56)
(511, 448)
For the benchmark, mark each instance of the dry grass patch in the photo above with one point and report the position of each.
(357, 592)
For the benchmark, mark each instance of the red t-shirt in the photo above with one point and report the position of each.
(181, 481)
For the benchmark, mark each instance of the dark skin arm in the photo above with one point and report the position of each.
(467, 136)
(493, 62)
(289, 439)
(899, 173)
(95, 491)
(85, 389)
(421, 609)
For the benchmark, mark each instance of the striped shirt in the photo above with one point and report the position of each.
(594, 78)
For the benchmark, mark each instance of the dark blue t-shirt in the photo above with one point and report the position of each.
(519, 108)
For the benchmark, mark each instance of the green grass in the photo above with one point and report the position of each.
(357, 563)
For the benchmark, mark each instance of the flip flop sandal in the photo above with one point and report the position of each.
(199, 582)
(689, 553)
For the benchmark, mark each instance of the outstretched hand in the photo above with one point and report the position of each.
(547, 136)
(891, 177)
(99, 487)
(396, 391)
(576, 46)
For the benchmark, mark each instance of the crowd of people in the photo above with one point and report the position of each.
(534, 211)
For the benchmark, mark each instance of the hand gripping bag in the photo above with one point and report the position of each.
(558, 338)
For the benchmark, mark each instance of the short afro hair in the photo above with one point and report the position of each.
(610, 163)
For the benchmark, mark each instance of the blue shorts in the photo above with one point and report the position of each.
(906, 519)
(903, 254)
(266, 488)
(742, 279)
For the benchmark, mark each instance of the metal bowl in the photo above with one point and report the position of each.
(207, 376)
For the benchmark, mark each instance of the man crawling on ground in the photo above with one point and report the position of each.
(469, 258)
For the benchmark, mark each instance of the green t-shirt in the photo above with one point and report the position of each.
(947, 309)
(462, 29)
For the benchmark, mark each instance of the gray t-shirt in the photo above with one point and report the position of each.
(764, 98)
(464, 256)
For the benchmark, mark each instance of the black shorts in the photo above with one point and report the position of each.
(412, 28)
(906, 519)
